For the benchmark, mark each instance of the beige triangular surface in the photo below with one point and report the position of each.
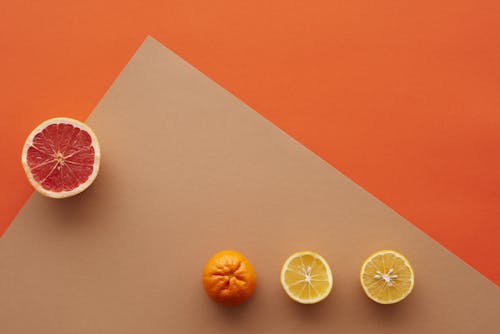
(189, 170)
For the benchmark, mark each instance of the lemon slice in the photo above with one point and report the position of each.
(387, 277)
(306, 277)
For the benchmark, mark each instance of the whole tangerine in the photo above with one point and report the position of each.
(229, 278)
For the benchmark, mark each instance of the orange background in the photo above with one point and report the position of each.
(401, 96)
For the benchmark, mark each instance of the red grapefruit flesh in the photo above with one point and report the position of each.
(61, 157)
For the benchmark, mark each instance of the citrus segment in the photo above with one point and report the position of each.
(387, 277)
(61, 157)
(306, 277)
(229, 278)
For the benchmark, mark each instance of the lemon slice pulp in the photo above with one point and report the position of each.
(306, 277)
(387, 277)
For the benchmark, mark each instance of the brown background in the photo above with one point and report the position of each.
(189, 170)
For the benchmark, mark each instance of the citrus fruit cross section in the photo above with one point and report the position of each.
(61, 157)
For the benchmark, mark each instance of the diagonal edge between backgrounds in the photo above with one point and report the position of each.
(156, 41)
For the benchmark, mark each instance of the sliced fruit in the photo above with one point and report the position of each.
(229, 278)
(306, 277)
(61, 157)
(387, 277)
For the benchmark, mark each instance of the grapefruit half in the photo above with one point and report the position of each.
(61, 157)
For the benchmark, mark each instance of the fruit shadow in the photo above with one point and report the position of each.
(316, 313)
(235, 314)
(77, 210)
(388, 314)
